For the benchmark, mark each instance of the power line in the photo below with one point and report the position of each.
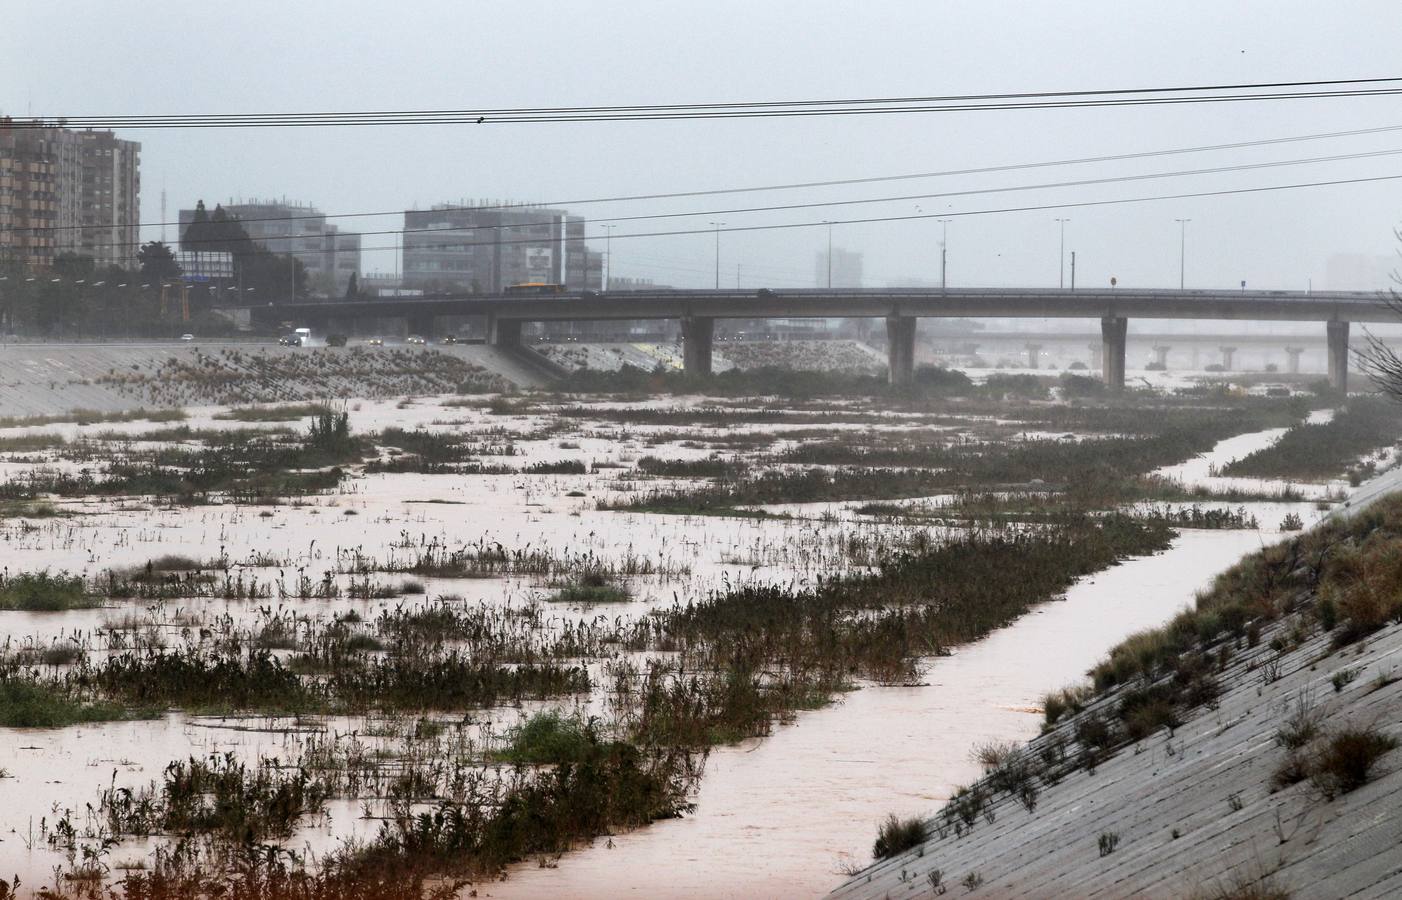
(785, 226)
(874, 179)
(788, 207)
(1142, 96)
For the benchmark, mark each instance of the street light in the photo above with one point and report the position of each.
(717, 227)
(608, 254)
(944, 251)
(1182, 244)
(1061, 255)
(829, 224)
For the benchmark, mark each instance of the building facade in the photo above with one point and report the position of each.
(845, 270)
(28, 194)
(329, 256)
(99, 196)
(485, 249)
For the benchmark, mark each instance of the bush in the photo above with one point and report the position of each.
(1346, 759)
(42, 592)
(896, 836)
(549, 738)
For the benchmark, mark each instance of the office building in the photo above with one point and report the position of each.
(846, 270)
(486, 248)
(329, 256)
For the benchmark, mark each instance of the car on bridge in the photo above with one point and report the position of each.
(534, 289)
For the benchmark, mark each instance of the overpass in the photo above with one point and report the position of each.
(902, 308)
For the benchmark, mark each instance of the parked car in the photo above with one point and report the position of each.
(415, 339)
(187, 337)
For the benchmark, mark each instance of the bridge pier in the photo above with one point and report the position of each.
(1337, 334)
(1293, 354)
(1034, 352)
(1228, 354)
(504, 333)
(420, 324)
(1113, 331)
(1097, 354)
(1161, 356)
(697, 334)
(900, 349)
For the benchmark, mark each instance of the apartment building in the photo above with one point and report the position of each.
(488, 247)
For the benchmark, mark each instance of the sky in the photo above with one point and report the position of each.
(115, 57)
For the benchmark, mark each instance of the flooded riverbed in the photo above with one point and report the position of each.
(774, 816)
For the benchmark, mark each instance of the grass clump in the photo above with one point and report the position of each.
(895, 836)
(592, 587)
(43, 592)
(548, 738)
(1344, 761)
(30, 703)
(286, 412)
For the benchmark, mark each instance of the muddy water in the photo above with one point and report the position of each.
(777, 817)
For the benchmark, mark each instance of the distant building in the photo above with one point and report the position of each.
(846, 269)
(329, 255)
(99, 197)
(1360, 272)
(79, 192)
(488, 248)
(28, 193)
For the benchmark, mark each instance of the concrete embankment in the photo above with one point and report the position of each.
(1203, 808)
(53, 378)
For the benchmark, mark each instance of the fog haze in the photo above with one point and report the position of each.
(62, 57)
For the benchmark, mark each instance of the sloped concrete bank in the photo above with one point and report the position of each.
(50, 379)
(1178, 780)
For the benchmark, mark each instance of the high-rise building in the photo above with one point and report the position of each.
(487, 248)
(65, 191)
(846, 270)
(28, 193)
(329, 256)
(99, 196)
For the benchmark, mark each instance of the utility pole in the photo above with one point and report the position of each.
(829, 224)
(717, 227)
(1073, 270)
(1061, 256)
(944, 252)
(608, 254)
(1182, 245)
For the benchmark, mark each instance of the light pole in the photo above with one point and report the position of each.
(829, 224)
(717, 227)
(1182, 245)
(1061, 256)
(944, 251)
(608, 254)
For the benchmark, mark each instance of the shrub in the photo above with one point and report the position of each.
(549, 738)
(42, 592)
(1345, 760)
(895, 836)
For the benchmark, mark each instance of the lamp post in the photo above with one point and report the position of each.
(1182, 246)
(944, 251)
(1061, 255)
(717, 226)
(608, 254)
(829, 224)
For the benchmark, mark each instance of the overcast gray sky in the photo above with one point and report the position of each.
(101, 57)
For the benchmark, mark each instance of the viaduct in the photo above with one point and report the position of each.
(698, 310)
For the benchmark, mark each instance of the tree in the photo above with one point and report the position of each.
(352, 287)
(157, 262)
(1379, 361)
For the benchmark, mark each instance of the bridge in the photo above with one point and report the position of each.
(697, 311)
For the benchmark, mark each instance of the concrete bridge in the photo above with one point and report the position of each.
(697, 310)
